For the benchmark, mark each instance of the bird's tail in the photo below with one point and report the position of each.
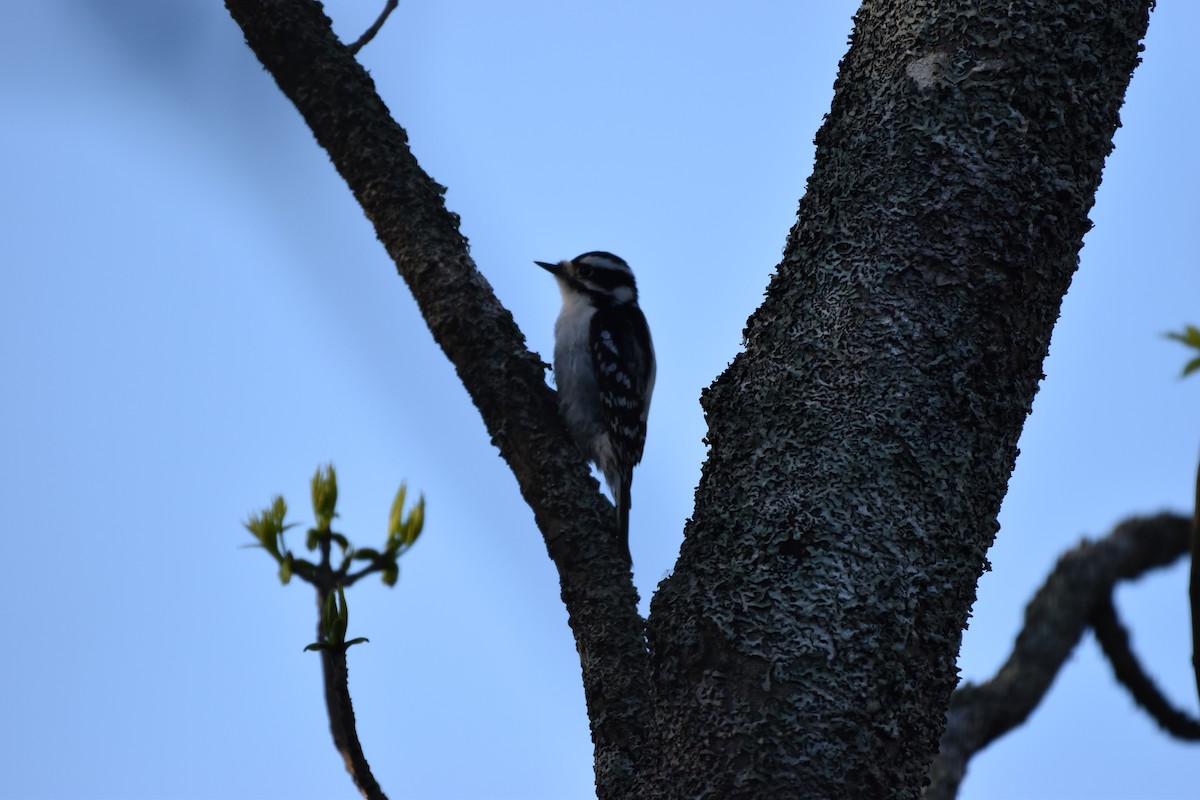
(623, 504)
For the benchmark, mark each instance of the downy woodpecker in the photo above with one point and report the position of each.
(604, 369)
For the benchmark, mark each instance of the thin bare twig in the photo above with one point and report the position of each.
(335, 677)
(374, 29)
(336, 680)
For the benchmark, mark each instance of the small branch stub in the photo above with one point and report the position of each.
(370, 32)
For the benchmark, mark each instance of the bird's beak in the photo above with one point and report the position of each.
(553, 269)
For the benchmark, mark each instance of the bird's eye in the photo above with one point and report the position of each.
(583, 270)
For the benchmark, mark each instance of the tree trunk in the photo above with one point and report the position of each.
(805, 644)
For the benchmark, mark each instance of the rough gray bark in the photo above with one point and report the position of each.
(805, 644)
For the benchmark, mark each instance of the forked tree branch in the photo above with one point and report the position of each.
(1055, 620)
(295, 43)
(725, 671)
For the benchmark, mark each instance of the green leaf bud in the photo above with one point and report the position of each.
(324, 496)
(396, 517)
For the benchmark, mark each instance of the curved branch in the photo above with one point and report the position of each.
(1054, 621)
(337, 98)
(1114, 641)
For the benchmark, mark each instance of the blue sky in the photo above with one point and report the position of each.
(196, 314)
